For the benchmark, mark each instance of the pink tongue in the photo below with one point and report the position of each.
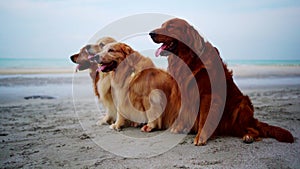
(159, 50)
(90, 57)
(101, 68)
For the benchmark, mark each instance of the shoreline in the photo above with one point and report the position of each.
(238, 70)
(35, 71)
(60, 82)
(262, 71)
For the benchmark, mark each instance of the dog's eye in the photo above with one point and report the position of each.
(101, 45)
(169, 27)
(110, 50)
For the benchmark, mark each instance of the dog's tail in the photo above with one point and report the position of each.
(280, 134)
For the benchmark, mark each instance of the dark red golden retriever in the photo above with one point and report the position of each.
(180, 41)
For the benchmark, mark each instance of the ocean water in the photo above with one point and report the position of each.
(66, 63)
(35, 63)
(16, 87)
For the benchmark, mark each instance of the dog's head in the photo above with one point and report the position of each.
(83, 57)
(112, 56)
(173, 33)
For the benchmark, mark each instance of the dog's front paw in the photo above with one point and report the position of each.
(198, 141)
(101, 122)
(115, 127)
(146, 128)
(248, 139)
(178, 128)
(105, 120)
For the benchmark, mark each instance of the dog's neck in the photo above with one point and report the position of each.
(138, 62)
(94, 74)
(132, 65)
(188, 56)
(93, 70)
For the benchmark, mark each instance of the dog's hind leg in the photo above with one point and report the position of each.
(244, 123)
(158, 102)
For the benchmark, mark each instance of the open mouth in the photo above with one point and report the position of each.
(166, 48)
(107, 67)
(83, 66)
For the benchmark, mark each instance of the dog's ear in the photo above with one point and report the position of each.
(126, 49)
(74, 58)
(194, 40)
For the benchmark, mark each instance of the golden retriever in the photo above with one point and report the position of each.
(141, 92)
(180, 39)
(100, 80)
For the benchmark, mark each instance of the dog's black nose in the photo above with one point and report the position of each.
(152, 34)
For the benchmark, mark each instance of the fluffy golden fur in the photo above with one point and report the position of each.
(181, 40)
(100, 80)
(141, 93)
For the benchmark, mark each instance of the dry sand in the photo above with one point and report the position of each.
(263, 71)
(53, 133)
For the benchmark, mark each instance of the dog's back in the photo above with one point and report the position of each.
(148, 86)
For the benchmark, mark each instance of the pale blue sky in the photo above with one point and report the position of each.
(266, 29)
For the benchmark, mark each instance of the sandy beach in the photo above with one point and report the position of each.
(60, 131)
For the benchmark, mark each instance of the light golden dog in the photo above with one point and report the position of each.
(141, 93)
(100, 80)
(180, 41)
